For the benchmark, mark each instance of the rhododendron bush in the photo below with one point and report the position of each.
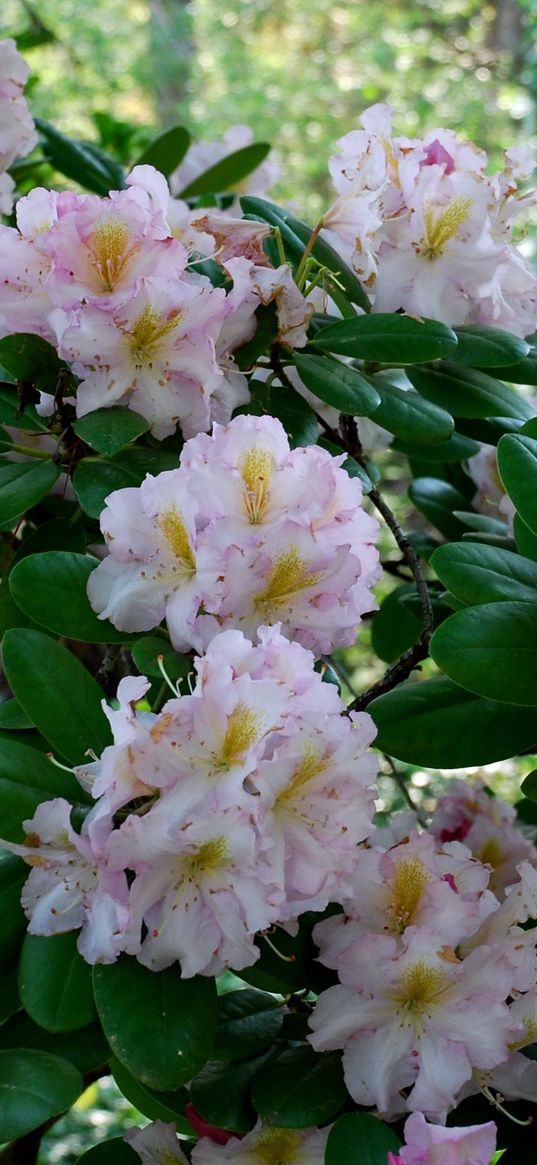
(198, 518)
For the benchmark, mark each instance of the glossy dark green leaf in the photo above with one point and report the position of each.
(457, 448)
(13, 874)
(338, 385)
(488, 348)
(437, 724)
(116, 1151)
(296, 236)
(27, 777)
(55, 982)
(28, 357)
(51, 589)
(394, 628)
(158, 1106)
(33, 1087)
(13, 717)
(229, 172)
(526, 541)
(167, 151)
(248, 1021)
(300, 1088)
(517, 464)
(359, 1138)
(491, 650)
(525, 372)
(529, 786)
(145, 653)
(437, 500)
(483, 574)
(96, 477)
(23, 485)
(161, 1027)
(57, 692)
(388, 338)
(27, 420)
(406, 415)
(10, 614)
(88, 166)
(468, 393)
(109, 430)
(221, 1092)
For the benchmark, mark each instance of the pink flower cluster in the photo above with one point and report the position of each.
(428, 230)
(244, 532)
(107, 283)
(435, 1145)
(17, 130)
(240, 806)
(423, 951)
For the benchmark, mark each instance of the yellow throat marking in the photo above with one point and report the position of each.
(257, 466)
(277, 1146)
(409, 881)
(176, 535)
(289, 575)
(439, 230)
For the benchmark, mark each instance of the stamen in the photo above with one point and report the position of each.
(58, 765)
(173, 687)
(285, 958)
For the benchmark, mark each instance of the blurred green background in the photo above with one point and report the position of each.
(299, 71)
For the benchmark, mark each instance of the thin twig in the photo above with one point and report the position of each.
(403, 789)
(402, 668)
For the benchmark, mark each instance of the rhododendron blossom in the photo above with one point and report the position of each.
(265, 1145)
(17, 130)
(245, 532)
(226, 796)
(428, 1144)
(427, 230)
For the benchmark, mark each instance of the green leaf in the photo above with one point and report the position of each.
(80, 160)
(482, 574)
(33, 1087)
(55, 983)
(109, 430)
(57, 693)
(158, 1106)
(248, 1021)
(394, 628)
(28, 357)
(296, 235)
(358, 1138)
(529, 786)
(517, 464)
(167, 151)
(116, 1151)
(13, 874)
(457, 448)
(161, 1027)
(27, 778)
(13, 717)
(96, 477)
(488, 348)
(28, 420)
(437, 500)
(388, 338)
(333, 382)
(229, 172)
(525, 372)
(300, 1088)
(10, 614)
(221, 1092)
(145, 653)
(51, 589)
(491, 650)
(437, 724)
(22, 486)
(526, 541)
(467, 393)
(405, 414)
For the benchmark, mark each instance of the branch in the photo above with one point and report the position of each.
(402, 668)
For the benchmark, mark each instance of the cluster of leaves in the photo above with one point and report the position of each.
(244, 1052)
